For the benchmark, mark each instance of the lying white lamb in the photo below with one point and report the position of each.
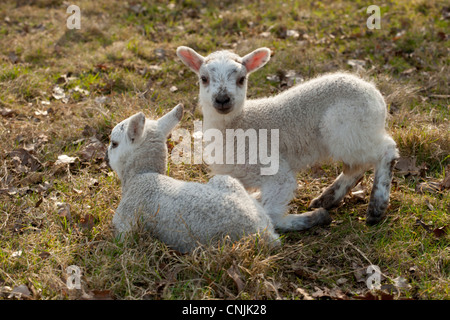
(336, 116)
(181, 214)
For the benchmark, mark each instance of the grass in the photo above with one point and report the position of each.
(124, 58)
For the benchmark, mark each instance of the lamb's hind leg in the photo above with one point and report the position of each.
(276, 193)
(379, 197)
(346, 181)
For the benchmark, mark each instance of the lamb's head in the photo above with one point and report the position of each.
(223, 77)
(138, 144)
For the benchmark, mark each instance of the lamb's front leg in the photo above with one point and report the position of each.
(276, 193)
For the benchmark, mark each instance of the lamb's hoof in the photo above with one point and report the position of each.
(374, 216)
(316, 203)
(324, 201)
(372, 219)
(322, 217)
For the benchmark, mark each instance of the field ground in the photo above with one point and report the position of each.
(62, 91)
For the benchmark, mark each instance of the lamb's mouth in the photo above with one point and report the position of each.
(223, 110)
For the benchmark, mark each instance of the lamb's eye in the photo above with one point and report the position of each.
(241, 80)
(204, 79)
(114, 144)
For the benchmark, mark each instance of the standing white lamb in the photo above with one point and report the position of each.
(181, 214)
(337, 116)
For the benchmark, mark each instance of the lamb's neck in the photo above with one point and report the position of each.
(220, 122)
(130, 174)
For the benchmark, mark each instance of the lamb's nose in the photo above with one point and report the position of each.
(107, 159)
(223, 99)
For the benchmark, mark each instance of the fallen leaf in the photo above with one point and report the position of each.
(304, 294)
(5, 291)
(80, 90)
(273, 78)
(407, 166)
(101, 67)
(12, 56)
(234, 274)
(359, 273)
(44, 255)
(292, 78)
(87, 222)
(38, 203)
(292, 34)
(408, 71)
(41, 112)
(5, 112)
(58, 93)
(137, 8)
(160, 53)
(326, 293)
(441, 231)
(93, 150)
(303, 273)
(16, 254)
(428, 186)
(22, 157)
(88, 131)
(423, 225)
(64, 210)
(65, 159)
(101, 100)
(400, 282)
(357, 65)
(20, 292)
(337, 294)
(44, 187)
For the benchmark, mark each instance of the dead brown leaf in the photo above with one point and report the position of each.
(423, 225)
(303, 272)
(64, 211)
(304, 294)
(326, 293)
(359, 273)
(6, 112)
(441, 231)
(23, 160)
(407, 166)
(21, 292)
(234, 274)
(93, 150)
(428, 186)
(44, 255)
(87, 222)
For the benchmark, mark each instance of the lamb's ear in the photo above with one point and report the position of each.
(190, 58)
(256, 59)
(171, 119)
(136, 126)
